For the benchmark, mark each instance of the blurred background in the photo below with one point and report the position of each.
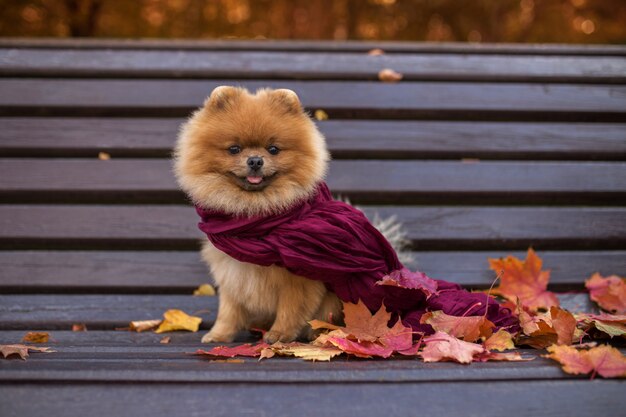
(560, 21)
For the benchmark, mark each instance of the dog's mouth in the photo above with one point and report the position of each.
(254, 182)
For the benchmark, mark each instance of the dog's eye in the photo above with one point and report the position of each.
(273, 150)
(234, 150)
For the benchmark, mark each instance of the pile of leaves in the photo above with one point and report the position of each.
(523, 288)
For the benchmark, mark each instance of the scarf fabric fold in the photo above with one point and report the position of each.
(330, 241)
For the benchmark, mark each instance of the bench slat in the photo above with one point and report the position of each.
(108, 312)
(307, 65)
(144, 272)
(485, 398)
(379, 139)
(447, 182)
(319, 46)
(439, 100)
(430, 228)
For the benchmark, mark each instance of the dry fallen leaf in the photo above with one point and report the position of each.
(143, 325)
(79, 327)
(165, 340)
(469, 328)
(230, 352)
(612, 325)
(417, 280)
(204, 289)
(178, 320)
(21, 350)
(495, 356)
(542, 330)
(320, 114)
(524, 281)
(609, 292)
(36, 337)
(376, 52)
(501, 340)
(388, 75)
(301, 350)
(103, 156)
(603, 360)
(443, 347)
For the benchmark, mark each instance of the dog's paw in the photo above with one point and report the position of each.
(273, 336)
(212, 337)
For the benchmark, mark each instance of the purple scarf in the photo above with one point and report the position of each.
(330, 241)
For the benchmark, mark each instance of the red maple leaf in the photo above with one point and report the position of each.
(232, 351)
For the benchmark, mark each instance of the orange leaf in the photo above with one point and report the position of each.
(524, 281)
(542, 330)
(609, 292)
(603, 360)
(230, 352)
(375, 52)
(79, 327)
(36, 337)
(494, 356)
(469, 328)
(388, 75)
(612, 325)
(443, 347)
(364, 326)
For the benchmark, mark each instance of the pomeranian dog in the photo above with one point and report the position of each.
(253, 155)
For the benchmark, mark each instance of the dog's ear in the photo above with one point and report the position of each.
(221, 96)
(288, 98)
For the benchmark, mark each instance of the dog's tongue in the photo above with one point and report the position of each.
(254, 180)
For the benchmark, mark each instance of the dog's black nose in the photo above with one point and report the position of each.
(255, 162)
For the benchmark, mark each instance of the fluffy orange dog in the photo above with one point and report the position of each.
(247, 155)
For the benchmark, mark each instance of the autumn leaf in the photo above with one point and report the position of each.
(443, 347)
(496, 356)
(204, 290)
(79, 327)
(143, 325)
(388, 75)
(375, 52)
(542, 330)
(103, 156)
(524, 281)
(304, 351)
(165, 340)
(469, 328)
(21, 350)
(320, 114)
(612, 325)
(404, 278)
(36, 337)
(178, 320)
(499, 341)
(609, 292)
(230, 352)
(603, 360)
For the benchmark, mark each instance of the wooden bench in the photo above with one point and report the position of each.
(480, 151)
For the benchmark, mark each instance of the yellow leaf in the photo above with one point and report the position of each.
(36, 337)
(320, 114)
(205, 290)
(143, 325)
(501, 340)
(178, 320)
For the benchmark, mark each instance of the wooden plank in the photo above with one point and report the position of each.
(390, 181)
(446, 182)
(486, 399)
(107, 312)
(379, 139)
(430, 228)
(319, 46)
(436, 100)
(145, 272)
(17, 62)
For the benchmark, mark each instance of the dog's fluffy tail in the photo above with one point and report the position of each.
(393, 231)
